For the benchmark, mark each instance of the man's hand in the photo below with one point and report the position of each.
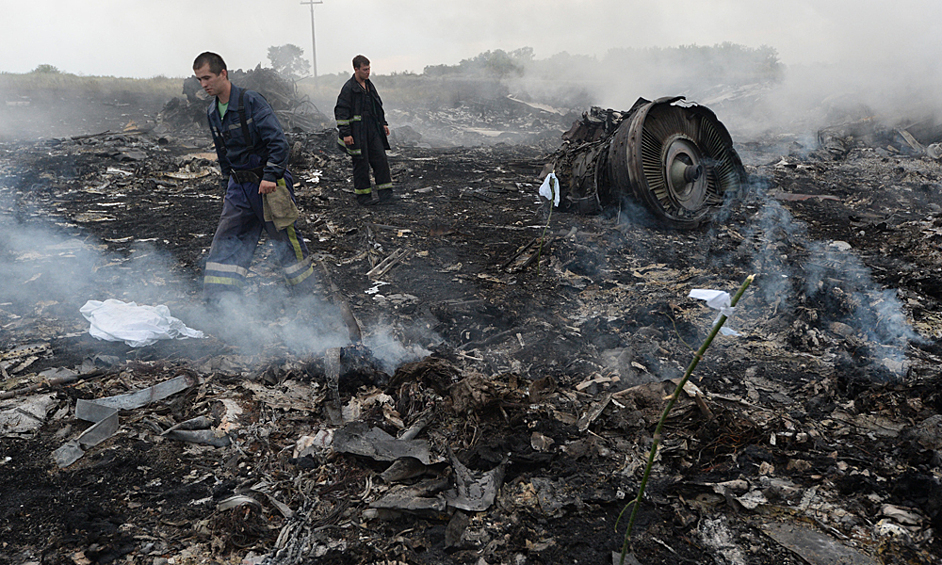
(386, 129)
(348, 140)
(266, 187)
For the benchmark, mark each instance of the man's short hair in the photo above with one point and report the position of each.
(360, 61)
(215, 62)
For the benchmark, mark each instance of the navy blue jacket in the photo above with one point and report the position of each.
(268, 147)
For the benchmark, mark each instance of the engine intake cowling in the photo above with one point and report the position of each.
(673, 156)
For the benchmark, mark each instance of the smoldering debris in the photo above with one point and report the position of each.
(499, 405)
(103, 414)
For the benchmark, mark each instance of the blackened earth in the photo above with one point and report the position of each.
(602, 298)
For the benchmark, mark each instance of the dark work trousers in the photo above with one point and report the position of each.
(372, 154)
(240, 226)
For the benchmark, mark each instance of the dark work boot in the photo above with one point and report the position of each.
(385, 195)
(365, 199)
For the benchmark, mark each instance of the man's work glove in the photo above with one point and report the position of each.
(278, 207)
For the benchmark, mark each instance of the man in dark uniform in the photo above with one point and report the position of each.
(253, 156)
(361, 122)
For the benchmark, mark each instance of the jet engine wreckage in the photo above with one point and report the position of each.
(673, 156)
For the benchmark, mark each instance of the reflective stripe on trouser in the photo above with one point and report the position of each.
(374, 156)
(240, 226)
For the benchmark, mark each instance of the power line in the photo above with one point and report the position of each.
(313, 36)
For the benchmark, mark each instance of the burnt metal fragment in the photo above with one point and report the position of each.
(673, 156)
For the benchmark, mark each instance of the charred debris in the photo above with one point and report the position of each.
(496, 401)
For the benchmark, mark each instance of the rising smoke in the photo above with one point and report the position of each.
(50, 273)
(799, 273)
(753, 93)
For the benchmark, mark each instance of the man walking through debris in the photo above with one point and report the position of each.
(253, 156)
(363, 130)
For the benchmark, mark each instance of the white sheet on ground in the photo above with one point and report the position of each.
(135, 325)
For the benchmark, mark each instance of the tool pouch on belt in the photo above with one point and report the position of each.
(253, 176)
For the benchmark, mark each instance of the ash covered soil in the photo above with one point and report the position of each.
(536, 374)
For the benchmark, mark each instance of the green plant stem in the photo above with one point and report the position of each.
(636, 503)
(539, 251)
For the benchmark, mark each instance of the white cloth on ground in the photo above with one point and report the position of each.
(135, 325)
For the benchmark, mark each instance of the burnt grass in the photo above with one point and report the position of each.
(606, 295)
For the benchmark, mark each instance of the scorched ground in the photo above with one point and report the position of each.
(532, 350)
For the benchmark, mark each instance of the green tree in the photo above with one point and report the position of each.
(288, 61)
(496, 64)
(46, 69)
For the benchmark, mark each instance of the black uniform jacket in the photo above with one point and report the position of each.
(353, 105)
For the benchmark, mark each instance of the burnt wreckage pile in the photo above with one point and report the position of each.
(497, 403)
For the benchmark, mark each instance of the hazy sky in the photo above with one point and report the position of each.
(137, 38)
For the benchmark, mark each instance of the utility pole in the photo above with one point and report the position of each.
(313, 37)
